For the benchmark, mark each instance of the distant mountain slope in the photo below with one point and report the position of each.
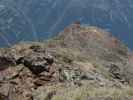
(36, 20)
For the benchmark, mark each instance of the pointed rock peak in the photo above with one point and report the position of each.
(89, 31)
(83, 36)
(86, 32)
(77, 23)
(73, 27)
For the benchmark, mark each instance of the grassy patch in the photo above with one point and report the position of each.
(81, 93)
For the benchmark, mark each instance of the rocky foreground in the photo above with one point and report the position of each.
(81, 63)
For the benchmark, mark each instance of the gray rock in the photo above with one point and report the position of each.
(37, 63)
(6, 61)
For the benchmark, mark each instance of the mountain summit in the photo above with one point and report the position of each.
(85, 61)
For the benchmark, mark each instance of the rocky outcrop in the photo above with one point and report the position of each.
(77, 56)
(25, 73)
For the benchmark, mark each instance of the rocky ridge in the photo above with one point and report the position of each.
(76, 57)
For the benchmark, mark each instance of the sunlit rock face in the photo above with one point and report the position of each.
(26, 20)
